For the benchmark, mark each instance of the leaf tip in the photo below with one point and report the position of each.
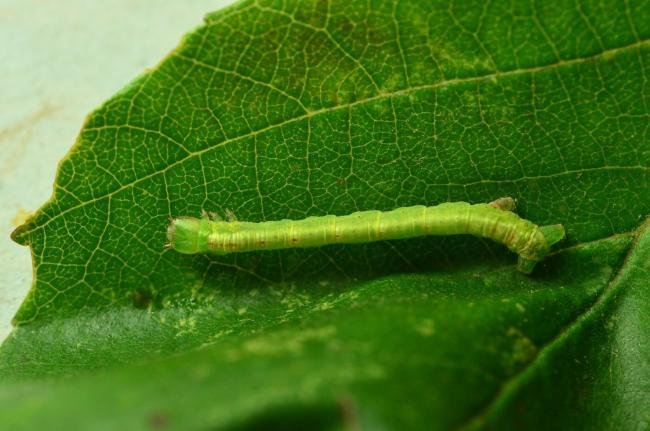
(20, 235)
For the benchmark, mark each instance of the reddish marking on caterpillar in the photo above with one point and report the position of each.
(494, 220)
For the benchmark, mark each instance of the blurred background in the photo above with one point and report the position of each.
(58, 61)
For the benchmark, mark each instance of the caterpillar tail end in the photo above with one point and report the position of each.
(552, 234)
(526, 266)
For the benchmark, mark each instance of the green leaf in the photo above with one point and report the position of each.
(288, 109)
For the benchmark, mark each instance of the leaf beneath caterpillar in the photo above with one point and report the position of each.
(290, 109)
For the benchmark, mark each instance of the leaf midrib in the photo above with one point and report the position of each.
(605, 297)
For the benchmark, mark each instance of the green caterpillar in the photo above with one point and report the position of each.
(494, 220)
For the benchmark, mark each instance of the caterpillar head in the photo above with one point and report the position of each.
(183, 234)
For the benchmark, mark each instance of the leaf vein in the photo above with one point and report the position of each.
(380, 96)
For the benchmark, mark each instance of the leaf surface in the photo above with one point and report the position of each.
(289, 109)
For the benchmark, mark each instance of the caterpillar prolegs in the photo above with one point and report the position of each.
(495, 220)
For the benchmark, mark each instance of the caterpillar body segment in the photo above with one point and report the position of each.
(493, 220)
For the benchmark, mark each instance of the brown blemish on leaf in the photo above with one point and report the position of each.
(158, 421)
(21, 217)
